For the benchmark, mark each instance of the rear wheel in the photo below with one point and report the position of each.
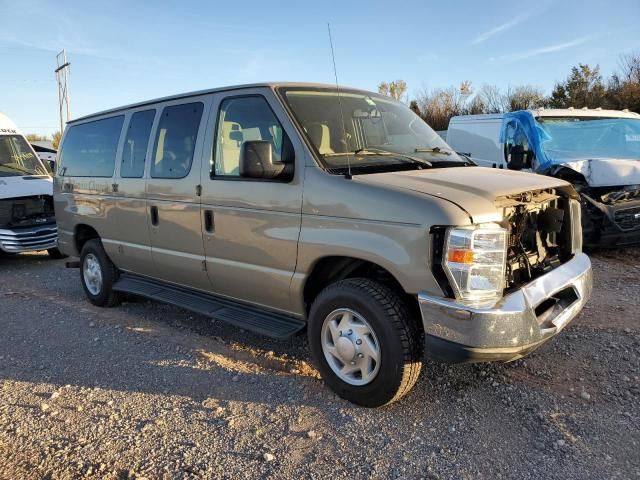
(98, 274)
(365, 343)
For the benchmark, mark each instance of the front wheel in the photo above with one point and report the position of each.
(365, 343)
(98, 274)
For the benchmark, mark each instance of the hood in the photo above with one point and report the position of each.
(474, 189)
(12, 187)
(607, 172)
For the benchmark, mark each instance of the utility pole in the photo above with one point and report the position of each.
(62, 76)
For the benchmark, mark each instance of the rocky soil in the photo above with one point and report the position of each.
(146, 390)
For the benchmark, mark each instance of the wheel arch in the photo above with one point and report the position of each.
(82, 234)
(331, 269)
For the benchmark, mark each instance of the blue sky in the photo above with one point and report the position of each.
(125, 51)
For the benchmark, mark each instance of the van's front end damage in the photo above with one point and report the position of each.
(597, 151)
(515, 326)
(612, 216)
(540, 276)
(610, 196)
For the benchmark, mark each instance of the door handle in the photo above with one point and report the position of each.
(154, 216)
(208, 221)
(114, 187)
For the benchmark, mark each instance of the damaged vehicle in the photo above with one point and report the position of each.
(27, 220)
(281, 208)
(597, 150)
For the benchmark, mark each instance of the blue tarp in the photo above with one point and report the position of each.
(519, 126)
(555, 141)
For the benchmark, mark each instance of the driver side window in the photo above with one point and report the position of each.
(240, 120)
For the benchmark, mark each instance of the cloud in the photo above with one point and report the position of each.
(544, 50)
(500, 29)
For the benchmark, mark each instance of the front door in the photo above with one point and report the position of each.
(251, 226)
(173, 204)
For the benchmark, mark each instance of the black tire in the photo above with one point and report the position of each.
(106, 296)
(400, 338)
(56, 254)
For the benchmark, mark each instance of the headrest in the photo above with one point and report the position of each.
(232, 131)
(320, 136)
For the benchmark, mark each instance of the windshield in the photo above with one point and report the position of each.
(579, 138)
(17, 159)
(367, 132)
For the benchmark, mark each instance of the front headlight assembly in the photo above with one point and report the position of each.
(474, 260)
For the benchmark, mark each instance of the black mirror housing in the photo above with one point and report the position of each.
(519, 158)
(256, 160)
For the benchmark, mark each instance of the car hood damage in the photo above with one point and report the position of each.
(606, 172)
(476, 190)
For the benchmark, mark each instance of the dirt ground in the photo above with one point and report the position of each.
(146, 390)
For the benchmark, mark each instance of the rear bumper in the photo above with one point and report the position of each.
(28, 239)
(518, 324)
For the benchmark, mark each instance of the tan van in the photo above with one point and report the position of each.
(283, 207)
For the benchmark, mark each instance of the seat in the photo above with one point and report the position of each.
(320, 135)
(231, 141)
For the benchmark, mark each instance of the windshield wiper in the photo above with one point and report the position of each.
(437, 150)
(383, 153)
(360, 151)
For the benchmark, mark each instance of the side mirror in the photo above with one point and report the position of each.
(256, 160)
(518, 158)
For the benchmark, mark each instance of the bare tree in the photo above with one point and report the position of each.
(623, 88)
(629, 67)
(395, 89)
(524, 97)
(493, 99)
(439, 105)
(55, 139)
(34, 137)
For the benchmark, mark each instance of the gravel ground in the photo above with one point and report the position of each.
(146, 390)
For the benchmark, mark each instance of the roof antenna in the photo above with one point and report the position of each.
(335, 73)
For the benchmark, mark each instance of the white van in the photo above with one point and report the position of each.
(597, 150)
(27, 220)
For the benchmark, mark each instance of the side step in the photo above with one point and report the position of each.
(250, 318)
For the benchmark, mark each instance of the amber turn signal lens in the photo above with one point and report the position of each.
(461, 256)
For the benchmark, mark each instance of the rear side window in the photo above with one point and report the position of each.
(176, 140)
(134, 151)
(89, 149)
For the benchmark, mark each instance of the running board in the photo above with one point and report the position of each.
(243, 316)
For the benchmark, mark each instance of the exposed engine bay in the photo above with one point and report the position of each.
(539, 225)
(26, 211)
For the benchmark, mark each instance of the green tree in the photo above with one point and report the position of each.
(582, 88)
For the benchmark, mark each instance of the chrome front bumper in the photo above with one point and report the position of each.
(520, 322)
(28, 239)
